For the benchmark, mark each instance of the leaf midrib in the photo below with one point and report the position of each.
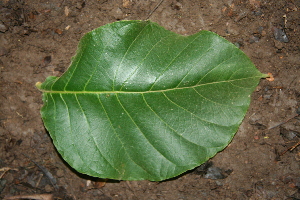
(143, 92)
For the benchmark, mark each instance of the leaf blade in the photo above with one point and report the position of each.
(140, 102)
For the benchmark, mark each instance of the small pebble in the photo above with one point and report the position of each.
(280, 35)
(287, 134)
(60, 173)
(3, 28)
(48, 188)
(253, 39)
(117, 13)
(257, 13)
(214, 173)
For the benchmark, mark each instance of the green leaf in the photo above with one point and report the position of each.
(141, 102)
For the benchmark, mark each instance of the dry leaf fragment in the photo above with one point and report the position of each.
(31, 16)
(270, 78)
(255, 3)
(126, 3)
(100, 183)
(67, 11)
(58, 31)
(67, 27)
(96, 184)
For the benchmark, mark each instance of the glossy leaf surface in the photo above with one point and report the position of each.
(141, 102)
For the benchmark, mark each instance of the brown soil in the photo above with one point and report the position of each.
(38, 38)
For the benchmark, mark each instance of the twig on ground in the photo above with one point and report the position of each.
(290, 148)
(130, 188)
(154, 9)
(34, 196)
(46, 172)
(283, 122)
(4, 170)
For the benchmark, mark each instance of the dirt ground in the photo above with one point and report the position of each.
(38, 38)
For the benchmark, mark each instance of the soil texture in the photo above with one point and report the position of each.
(38, 39)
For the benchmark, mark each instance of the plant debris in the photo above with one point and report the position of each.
(32, 197)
